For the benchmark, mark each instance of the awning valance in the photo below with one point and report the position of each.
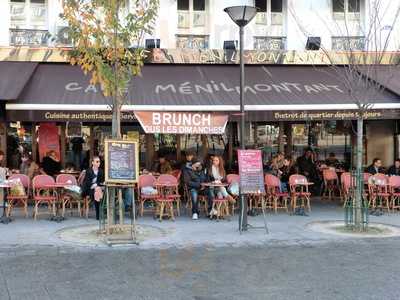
(62, 88)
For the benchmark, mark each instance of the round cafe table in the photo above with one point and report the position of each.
(58, 187)
(221, 205)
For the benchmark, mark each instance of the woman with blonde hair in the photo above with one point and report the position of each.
(216, 173)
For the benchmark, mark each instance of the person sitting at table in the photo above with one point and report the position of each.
(51, 165)
(307, 167)
(164, 166)
(395, 169)
(289, 168)
(332, 161)
(28, 167)
(94, 179)
(216, 173)
(375, 167)
(194, 176)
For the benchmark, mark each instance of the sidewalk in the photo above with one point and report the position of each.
(283, 230)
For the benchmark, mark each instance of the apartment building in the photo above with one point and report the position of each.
(202, 24)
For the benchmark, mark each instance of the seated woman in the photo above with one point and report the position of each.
(216, 173)
(28, 167)
(51, 165)
(289, 168)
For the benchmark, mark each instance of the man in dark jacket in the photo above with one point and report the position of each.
(395, 169)
(94, 179)
(194, 176)
(375, 167)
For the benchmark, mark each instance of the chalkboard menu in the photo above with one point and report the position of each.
(121, 161)
(251, 172)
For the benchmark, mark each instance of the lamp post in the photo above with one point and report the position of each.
(241, 15)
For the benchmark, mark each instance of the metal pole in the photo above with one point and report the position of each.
(243, 203)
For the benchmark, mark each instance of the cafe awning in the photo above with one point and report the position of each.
(13, 77)
(61, 88)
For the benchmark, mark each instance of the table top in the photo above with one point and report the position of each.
(57, 185)
(214, 184)
(304, 183)
(166, 184)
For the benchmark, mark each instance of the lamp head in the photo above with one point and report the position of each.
(241, 15)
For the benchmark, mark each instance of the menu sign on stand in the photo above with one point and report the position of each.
(121, 161)
(251, 172)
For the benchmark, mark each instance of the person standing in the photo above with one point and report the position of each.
(94, 179)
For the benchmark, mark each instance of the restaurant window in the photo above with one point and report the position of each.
(192, 42)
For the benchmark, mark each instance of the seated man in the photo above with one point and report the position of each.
(375, 167)
(194, 176)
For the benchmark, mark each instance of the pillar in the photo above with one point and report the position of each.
(289, 138)
(34, 143)
(230, 145)
(149, 150)
(178, 148)
(3, 142)
(91, 143)
(204, 145)
(281, 145)
(63, 145)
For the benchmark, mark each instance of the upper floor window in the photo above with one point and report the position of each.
(196, 5)
(28, 14)
(191, 13)
(269, 10)
(351, 8)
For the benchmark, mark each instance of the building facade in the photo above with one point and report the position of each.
(279, 25)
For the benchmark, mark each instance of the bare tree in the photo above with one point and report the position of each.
(358, 66)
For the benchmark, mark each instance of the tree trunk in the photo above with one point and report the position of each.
(358, 201)
(116, 121)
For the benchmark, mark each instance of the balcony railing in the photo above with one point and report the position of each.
(28, 37)
(269, 43)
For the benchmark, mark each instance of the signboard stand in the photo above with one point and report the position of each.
(113, 232)
(251, 182)
(121, 172)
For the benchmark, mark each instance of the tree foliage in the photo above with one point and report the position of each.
(107, 36)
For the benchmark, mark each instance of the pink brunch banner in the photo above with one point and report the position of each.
(182, 122)
(251, 172)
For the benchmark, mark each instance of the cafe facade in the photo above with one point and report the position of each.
(190, 99)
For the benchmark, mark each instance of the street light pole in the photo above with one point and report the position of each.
(242, 15)
(243, 204)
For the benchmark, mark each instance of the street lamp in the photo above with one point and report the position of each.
(241, 15)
